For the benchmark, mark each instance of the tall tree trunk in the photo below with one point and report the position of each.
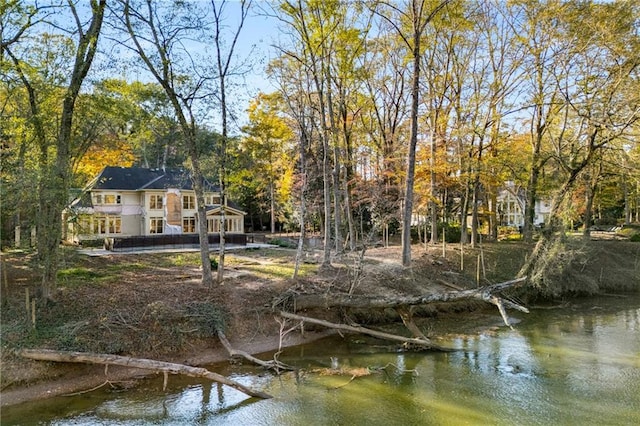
(492, 189)
(272, 208)
(475, 201)
(203, 232)
(464, 210)
(55, 186)
(303, 205)
(337, 213)
(349, 214)
(531, 194)
(413, 141)
(432, 176)
(475, 204)
(419, 23)
(335, 174)
(627, 200)
(326, 258)
(591, 181)
(588, 211)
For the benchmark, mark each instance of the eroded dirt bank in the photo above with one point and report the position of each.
(153, 305)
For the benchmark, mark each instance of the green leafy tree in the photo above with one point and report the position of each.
(268, 146)
(51, 71)
(594, 108)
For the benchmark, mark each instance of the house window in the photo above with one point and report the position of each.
(112, 199)
(211, 200)
(107, 225)
(189, 224)
(100, 225)
(155, 202)
(188, 202)
(107, 199)
(231, 224)
(156, 225)
(114, 224)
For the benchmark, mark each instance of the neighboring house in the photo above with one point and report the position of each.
(511, 201)
(134, 201)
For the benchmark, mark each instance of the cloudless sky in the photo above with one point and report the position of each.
(255, 46)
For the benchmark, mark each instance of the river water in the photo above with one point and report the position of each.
(576, 364)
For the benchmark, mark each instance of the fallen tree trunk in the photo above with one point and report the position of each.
(330, 300)
(407, 319)
(362, 330)
(147, 364)
(402, 304)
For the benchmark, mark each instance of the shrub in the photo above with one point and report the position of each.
(282, 243)
(93, 243)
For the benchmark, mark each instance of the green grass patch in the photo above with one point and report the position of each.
(79, 275)
(630, 231)
(239, 262)
(279, 271)
(184, 259)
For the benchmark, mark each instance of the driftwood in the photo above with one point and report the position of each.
(147, 364)
(362, 330)
(273, 364)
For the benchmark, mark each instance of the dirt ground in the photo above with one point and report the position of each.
(153, 305)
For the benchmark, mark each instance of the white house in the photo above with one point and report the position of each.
(135, 201)
(511, 201)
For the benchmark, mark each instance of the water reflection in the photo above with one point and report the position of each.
(563, 366)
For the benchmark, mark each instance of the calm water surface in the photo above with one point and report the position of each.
(576, 365)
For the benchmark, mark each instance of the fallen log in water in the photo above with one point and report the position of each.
(401, 304)
(362, 330)
(147, 364)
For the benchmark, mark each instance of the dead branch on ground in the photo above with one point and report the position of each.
(273, 364)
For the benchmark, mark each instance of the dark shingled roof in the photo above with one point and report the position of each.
(138, 178)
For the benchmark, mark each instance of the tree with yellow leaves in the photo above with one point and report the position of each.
(266, 147)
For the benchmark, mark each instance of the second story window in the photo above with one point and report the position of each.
(188, 202)
(112, 199)
(211, 200)
(155, 202)
(103, 199)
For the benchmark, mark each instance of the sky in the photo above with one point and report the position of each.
(257, 40)
(255, 45)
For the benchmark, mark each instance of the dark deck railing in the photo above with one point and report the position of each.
(161, 241)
